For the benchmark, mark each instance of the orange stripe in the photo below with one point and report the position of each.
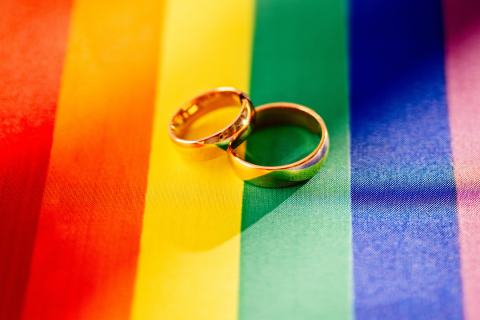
(33, 38)
(85, 255)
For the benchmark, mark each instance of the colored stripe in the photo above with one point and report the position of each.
(188, 266)
(295, 245)
(87, 243)
(462, 31)
(33, 38)
(405, 237)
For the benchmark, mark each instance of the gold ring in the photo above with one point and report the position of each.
(277, 114)
(216, 144)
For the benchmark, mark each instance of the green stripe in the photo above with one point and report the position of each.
(295, 245)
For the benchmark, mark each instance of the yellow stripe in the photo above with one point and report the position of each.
(189, 257)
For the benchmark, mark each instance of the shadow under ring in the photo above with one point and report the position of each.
(278, 114)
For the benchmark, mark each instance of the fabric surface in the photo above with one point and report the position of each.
(100, 218)
(408, 216)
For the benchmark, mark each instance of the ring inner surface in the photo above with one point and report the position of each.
(199, 107)
(280, 147)
(282, 116)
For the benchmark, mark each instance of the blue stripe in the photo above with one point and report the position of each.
(404, 219)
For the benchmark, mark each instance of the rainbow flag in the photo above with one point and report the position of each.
(101, 219)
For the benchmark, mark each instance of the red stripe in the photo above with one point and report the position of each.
(85, 258)
(33, 36)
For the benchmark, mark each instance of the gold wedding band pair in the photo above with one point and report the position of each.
(250, 120)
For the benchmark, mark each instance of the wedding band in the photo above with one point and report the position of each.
(278, 114)
(216, 144)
